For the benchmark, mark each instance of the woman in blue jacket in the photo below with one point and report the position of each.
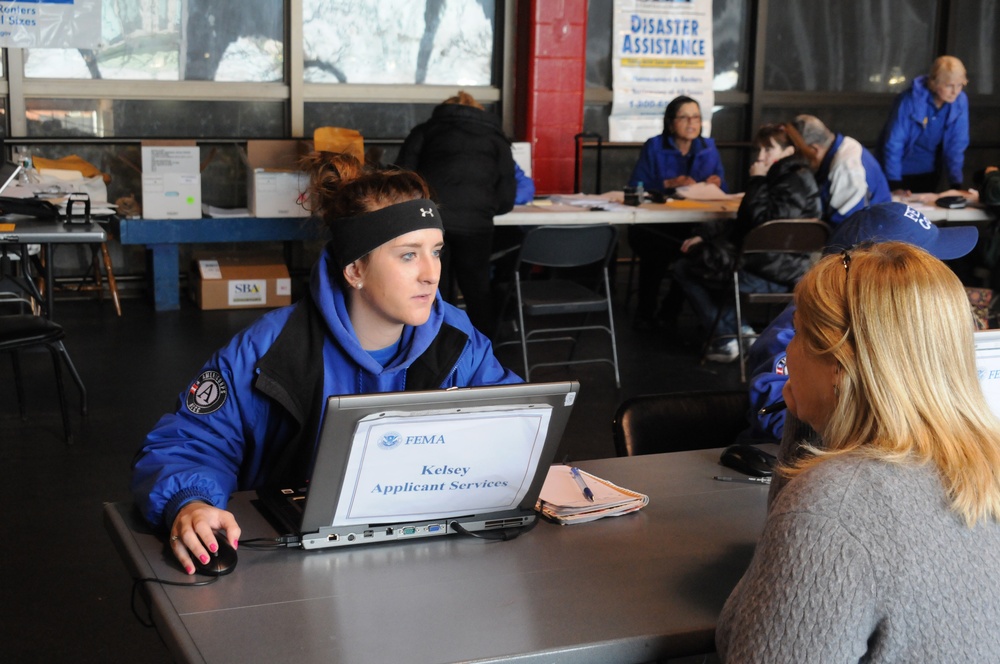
(372, 321)
(679, 156)
(928, 130)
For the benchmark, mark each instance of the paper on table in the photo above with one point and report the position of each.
(213, 211)
(562, 500)
(600, 201)
(703, 191)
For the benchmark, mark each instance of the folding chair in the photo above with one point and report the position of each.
(679, 421)
(21, 331)
(783, 236)
(557, 247)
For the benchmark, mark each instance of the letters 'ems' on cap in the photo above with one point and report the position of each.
(900, 222)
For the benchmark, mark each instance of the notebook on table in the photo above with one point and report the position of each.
(405, 465)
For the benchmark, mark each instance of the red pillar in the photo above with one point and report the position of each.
(551, 63)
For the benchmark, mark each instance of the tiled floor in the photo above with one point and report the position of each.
(64, 592)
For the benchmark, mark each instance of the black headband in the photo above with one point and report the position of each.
(354, 237)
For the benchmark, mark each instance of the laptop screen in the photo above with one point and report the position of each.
(407, 457)
(988, 366)
(8, 171)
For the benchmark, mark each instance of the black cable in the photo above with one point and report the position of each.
(264, 543)
(136, 583)
(501, 534)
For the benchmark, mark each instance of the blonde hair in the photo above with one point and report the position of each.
(896, 321)
(947, 64)
(464, 99)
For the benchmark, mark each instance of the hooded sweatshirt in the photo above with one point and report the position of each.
(252, 416)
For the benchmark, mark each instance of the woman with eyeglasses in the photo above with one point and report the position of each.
(928, 125)
(884, 545)
(679, 156)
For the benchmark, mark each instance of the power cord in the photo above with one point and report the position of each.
(137, 583)
(501, 534)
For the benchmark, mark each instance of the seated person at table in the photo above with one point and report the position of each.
(928, 125)
(884, 544)
(848, 175)
(371, 321)
(880, 223)
(679, 156)
(781, 186)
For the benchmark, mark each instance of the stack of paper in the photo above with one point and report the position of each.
(563, 501)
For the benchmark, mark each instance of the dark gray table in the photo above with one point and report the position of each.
(29, 230)
(635, 588)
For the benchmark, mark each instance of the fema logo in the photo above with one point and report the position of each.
(390, 440)
(781, 367)
(207, 394)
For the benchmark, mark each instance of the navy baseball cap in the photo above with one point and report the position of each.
(900, 222)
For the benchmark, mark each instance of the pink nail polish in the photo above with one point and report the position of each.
(203, 559)
(236, 544)
(189, 570)
(213, 547)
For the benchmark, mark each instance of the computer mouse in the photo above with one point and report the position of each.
(748, 459)
(951, 202)
(221, 562)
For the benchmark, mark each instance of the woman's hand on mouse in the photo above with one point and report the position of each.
(194, 533)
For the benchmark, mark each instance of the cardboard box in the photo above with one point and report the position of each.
(240, 281)
(275, 184)
(171, 180)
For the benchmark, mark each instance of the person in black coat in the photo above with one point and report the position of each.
(781, 186)
(464, 155)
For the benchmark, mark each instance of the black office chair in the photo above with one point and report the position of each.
(540, 290)
(783, 236)
(679, 421)
(22, 331)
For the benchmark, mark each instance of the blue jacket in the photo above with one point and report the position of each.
(252, 416)
(907, 122)
(525, 187)
(768, 376)
(850, 179)
(660, 160)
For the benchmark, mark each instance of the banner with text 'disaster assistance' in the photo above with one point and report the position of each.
(660, 49)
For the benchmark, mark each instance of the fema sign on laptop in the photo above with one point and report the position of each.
(434, 465)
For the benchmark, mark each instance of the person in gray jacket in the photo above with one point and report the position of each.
(884, 545)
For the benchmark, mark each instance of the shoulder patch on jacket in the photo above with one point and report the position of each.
(207, 393)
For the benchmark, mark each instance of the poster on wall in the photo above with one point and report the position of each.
(661, 49)
(50, 23)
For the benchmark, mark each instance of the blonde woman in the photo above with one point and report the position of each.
(885, 544)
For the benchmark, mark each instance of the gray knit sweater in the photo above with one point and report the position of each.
(863, 561)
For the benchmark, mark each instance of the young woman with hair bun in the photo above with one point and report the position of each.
(370, 321)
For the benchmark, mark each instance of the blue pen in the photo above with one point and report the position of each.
(587, 493)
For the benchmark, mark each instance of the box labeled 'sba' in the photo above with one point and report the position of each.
(171, 180)
(240, 281)
(275, 185)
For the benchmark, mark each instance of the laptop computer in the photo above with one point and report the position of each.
(988, 365)
(8, 172)
(404, 465)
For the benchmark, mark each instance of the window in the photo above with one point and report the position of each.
(398, 41)
(848, 46)
(175, 40)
